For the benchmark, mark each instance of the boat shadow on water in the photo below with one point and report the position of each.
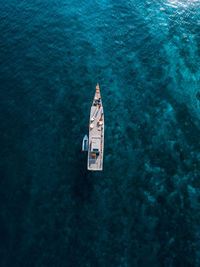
(83, 185)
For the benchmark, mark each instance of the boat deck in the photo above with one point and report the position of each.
(96, 163)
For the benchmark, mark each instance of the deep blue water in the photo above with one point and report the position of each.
(144, 208)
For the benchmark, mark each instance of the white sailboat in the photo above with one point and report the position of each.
(96, 134)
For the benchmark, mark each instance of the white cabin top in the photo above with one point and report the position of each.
(96, 143)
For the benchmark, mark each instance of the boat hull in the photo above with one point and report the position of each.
(85, 143)
(96, 131)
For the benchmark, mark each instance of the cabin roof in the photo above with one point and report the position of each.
(96, 142)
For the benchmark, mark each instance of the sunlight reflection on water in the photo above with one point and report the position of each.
(182, 3)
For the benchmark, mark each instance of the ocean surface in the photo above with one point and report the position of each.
(143, 209)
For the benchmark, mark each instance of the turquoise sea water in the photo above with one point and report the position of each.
(144, 208)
